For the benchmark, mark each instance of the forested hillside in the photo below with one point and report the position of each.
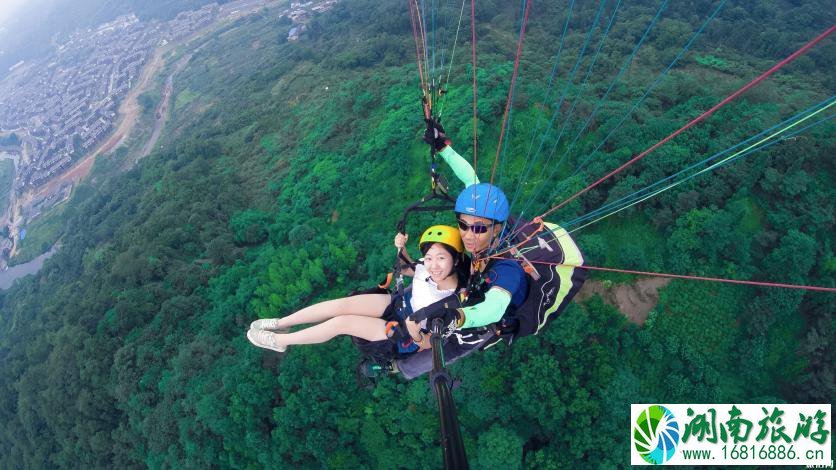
(283, 171)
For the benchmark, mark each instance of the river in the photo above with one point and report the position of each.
(9, 276)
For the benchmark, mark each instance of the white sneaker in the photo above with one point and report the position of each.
(269, 324)
(265, 339)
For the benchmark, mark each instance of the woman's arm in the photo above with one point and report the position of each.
(421, 339)
(403, 255)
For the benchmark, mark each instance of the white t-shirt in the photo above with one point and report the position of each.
(424, 290)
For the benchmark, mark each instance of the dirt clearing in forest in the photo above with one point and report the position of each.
(634, 300)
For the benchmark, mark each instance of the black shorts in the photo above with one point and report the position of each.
(384, 350)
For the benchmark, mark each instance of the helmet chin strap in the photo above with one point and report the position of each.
(492, 245)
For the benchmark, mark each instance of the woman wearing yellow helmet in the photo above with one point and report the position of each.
(441, 272)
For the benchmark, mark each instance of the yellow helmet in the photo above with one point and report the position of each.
(442, 234)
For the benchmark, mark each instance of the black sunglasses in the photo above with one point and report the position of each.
(475, 228)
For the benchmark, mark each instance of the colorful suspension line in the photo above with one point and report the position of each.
(431, 58)
(561, 186)
(577, 99)
(649, 89)
(530, 165)
(437, 47)
(420, 44)
(512, 95)
(473, 69)
(637, 197)
(615, 80)
(511, 88)
(717, 165)
(532, 160)
(429, 50)
(510, 91)
(584, 81)
(433, 48)
(508, 234)
(566, 88)
(751, 148)
(450, 63)
(432, 83)
(696, 278)
(731, 158)
(698, 119)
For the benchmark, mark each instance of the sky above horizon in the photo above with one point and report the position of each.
(8, 8)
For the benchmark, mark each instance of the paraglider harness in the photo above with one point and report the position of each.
(541, 248)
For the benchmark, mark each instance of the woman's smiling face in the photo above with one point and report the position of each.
(439, 262)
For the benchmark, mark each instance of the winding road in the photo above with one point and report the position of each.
(162, 109)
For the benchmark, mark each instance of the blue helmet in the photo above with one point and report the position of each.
(483, 200)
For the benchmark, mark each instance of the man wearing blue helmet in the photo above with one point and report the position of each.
(496, 286)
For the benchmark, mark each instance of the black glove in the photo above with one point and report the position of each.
(434, 135)
(446, 309)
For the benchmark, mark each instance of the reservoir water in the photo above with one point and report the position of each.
(9, 276)
(9, 156)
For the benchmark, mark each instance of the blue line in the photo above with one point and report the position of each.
(433, 9)
(640, 192)
(577, 98)
(626, 200)
(742, 155)
(562, 185)
(508, 127)
(530, 165)
(580, 91)
(616, 79)
(566, 88)
(444, 46)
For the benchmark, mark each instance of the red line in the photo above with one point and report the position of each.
(704, 115)
(511, 89)
(697, 278)
(417, 49)
(473, 54)
(423, 30)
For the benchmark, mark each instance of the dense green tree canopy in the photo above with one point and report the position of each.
(280, 182)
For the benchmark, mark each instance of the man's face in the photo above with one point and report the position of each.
(477, 232)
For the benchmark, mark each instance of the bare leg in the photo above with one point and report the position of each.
(370, 329)
(366, 305)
